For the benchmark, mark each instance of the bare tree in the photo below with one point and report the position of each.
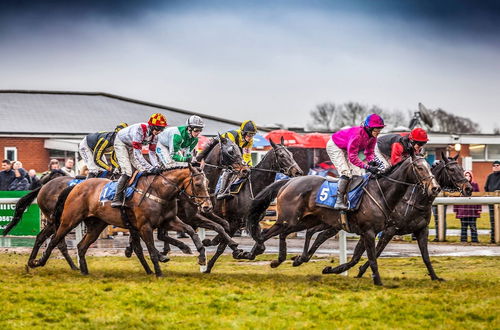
(496, 129)
(352, 114)
(449, 123)
(323, 117)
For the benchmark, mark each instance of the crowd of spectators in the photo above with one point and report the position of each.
(13, 177)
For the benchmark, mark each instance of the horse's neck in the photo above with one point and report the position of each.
(262, 179)
(393, 192)
(175, 179)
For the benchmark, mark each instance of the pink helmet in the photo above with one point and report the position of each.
(373, 121)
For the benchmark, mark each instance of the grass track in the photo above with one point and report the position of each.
(248, 295)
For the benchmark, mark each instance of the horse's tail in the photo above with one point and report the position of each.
(22, 204)
(58, 210)
(259, 206)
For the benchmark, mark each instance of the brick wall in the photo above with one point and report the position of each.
(481, 170)
(30, 151)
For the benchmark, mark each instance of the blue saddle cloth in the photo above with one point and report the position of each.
(109, 190)
(327, 194)
(74, 182)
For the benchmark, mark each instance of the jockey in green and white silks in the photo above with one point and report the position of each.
(176, 144)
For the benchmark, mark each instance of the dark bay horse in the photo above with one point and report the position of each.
(235, 210)
(153, 205)
(410, 216)
(219, 154)
(297, 209)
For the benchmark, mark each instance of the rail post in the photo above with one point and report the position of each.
(343, 249)
(441, 221)
(496, 214)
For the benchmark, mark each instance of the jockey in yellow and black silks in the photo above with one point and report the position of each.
(94, 147)
(243, 138)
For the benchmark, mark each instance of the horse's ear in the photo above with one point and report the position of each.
(456, 157)
(282, 140)
(443, 157)
(222, 139)
(272, 143)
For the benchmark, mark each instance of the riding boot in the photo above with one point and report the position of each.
(341, 193)
(120, 188)
(223, 192)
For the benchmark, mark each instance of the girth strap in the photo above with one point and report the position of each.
(150, 196)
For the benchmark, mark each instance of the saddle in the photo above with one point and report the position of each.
(327, 193)
(109, 190)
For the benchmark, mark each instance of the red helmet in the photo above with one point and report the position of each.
(418, 134)
(157, 119)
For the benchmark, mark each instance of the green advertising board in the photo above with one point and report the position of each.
(29, 225)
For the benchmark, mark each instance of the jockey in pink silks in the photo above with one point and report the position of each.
(343, 149)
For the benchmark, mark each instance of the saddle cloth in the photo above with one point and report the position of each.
(74, 182)
(81, 178)
(327, 193)
(109, 190)
(234, 188)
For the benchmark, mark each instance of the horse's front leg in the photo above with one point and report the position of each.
(146, 233)
(358, 252)
(422, 239)
(369, 241)
(177, 224)
(387, 236)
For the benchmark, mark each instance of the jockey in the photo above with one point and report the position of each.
(94, 147)
(128, 148)
(393, 148)
(243, 138)
(343, 150)
(177, 143)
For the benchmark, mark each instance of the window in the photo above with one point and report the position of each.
(494, 151)
(477, 151)
(10, 153)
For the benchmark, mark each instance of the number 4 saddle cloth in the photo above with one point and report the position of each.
(327, 193)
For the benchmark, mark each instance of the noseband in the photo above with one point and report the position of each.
(450, 178)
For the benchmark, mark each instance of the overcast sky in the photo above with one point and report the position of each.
(271, 61)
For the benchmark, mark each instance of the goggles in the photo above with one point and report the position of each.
(158, 128)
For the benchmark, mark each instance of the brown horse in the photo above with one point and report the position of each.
(411, 216)
(297, 209)
(153, 205)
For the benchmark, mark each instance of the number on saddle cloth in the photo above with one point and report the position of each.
(109, 190)
(327, 193)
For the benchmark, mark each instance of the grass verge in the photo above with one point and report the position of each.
(249, 295)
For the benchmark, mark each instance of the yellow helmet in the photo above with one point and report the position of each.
(120, 126)
(248, 126)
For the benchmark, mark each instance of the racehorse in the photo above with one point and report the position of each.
(297, 209)
(220, 153)
(411, 216)
(235, 210)
(153, 205)
(53, 184)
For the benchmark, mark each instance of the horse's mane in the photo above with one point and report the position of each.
(168, 169)
(209, 146)
(394, 168)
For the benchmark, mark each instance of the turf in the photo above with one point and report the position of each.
(249, 295)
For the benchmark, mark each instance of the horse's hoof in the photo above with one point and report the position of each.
(163, 258)
(187, 250)
(128, 251)
(75, 268)
(31, 264)
(294, 257)
(297, 262)
(206, 242)
(275, 263)
(202, 261)
(206, 271)
(159, 275)
(327, 270)
(84, 273)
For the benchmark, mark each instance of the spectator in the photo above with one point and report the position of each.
(34, 180)
(468, 214)
(6, 175)
(53, 165)
(68, 167)
(20, 181)
(493, 184)
(84, 171)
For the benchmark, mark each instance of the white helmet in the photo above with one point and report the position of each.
(195, 121)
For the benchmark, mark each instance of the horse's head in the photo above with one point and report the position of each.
(420, 171)
(195, 186)
(450, 175)
(284, 159)
(52, 175)
(230, 155)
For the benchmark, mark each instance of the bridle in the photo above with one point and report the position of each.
(282, 168)
(180, 189)
(455, 183)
